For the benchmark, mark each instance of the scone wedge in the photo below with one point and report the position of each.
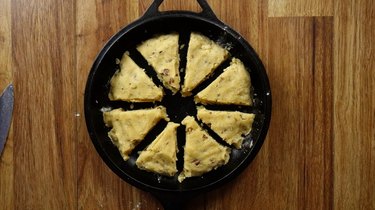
(202, 153)
(203, 57)
(130, 83)
(129, 128)
(161, 52)
(231, 87)
(161, 155)
(231, 126)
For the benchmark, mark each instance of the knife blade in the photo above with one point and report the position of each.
(6, 111)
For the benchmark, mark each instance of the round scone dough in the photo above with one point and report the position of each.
(161, 155)
(130, 83)
(202, 153)
(231, 87)
(161, 52)
(231, 126)
(129, 128)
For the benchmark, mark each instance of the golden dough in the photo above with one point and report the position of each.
(231, 126)
(161, 52)
(202, 152)
(160, 156)
(132, 84)
(203, 57)
(130, 127)
(231, 87)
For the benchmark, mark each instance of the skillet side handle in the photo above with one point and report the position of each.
(153, 10)
(173, 205)
(173, 201)
(207, 12)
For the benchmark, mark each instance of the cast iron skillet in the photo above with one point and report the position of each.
(169, 191)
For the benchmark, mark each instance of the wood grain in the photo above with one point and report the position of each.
(320, 150)
(6, 45)
(45, 128)
(6, 76)
(354, 103)
(302, 8)
(301, 77)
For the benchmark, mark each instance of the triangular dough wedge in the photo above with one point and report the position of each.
(161, 52)
(231, 87)
(130, 127)
(203, 57)
(202, 153)
(132, 84)
(160, 156)
(229, 125)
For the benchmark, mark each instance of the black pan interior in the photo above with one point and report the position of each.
(97, 88)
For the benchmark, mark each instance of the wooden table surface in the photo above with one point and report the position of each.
(320, 149)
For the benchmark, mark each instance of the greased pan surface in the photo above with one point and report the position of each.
(182, 22)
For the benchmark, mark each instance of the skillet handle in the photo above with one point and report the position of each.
(207, 12)
(153, 10)
(173, 201)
